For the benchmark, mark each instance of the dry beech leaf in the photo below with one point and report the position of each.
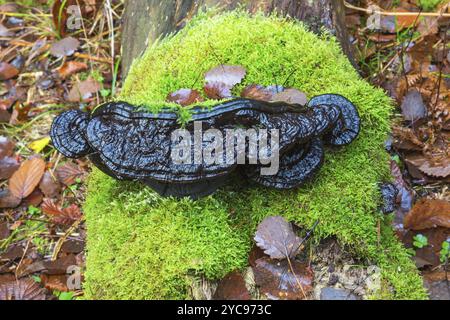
(427, 214)
(185, 97)
(26, 179)
(413, 106)
(7, 71)
(277, 238)
(438, 168)
(8, 200)
(8, 166)
(217, 91)
(292, 96)
(71, 67)
(24, 289)
(278, 281)
(232, 287)
(257, 92)
(68, 173)
(83, 91)
(65, 47)
(66, 216)
(49, 186)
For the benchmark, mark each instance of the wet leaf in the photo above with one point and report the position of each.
(257, 92)
(8, 200)
(4, 230)
(68, 173)
(83, 91)
(71, 67)
(277, 238)
(292, 96)
(49, 186)
(66, 216)
(39, 145)
(413, 107)
(185, 97)
(55, 282)
(7, 71)
(278, 282)
(217, 91)
(438, 168)
(6, 147)
(232, 287)
(65, 47)
(228, 75)
(34, 199)
(427, 214)
(24, 289)
(8, 166)
(57, 267)
(26, 179)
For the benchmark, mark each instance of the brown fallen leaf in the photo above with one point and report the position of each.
(83, 91)
(65, 47)
(292, 96)
(4, 230)
(23, 289)
(232, 287)
(60, 15)
(185, 97)
(8, 200)
(34, 199)
(438, 168)
(6, 147)
(427, 214)
(5, 32)
(7, 71)
(66, 216)
(49, 267)
(55, 282)
(257, 92)
(217, 91)
(26, 179)
(221, 80)
(277, 238)
(8, 166)
(49, 185)
(71, 67)
(278, 282)
(68, 173)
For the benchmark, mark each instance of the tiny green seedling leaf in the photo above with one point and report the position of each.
(420, 241)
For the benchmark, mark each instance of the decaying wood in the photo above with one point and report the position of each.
(147, 20)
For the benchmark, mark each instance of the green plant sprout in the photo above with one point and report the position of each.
(420, 241)
(445, 251)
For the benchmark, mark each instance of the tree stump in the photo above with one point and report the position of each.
(147, 20)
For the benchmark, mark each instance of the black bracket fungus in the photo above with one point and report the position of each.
(129, 144)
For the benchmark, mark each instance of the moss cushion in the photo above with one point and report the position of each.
(141, 246)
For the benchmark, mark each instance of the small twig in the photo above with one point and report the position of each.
(397, 13)
(63, 239)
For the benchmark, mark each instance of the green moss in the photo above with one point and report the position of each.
(143, 247)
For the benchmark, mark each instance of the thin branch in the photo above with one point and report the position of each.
(397, 13)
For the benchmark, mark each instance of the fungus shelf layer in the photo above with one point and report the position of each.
(131, 145)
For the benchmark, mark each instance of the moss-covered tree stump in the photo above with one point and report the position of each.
(141, 246)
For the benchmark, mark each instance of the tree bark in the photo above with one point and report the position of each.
(147, 20)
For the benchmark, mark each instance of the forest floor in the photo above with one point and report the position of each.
(51, 61)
